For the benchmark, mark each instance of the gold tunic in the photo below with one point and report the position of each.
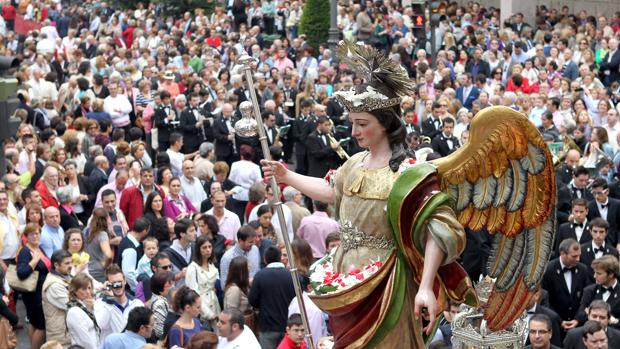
(360, 199)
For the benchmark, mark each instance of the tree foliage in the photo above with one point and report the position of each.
(315, 22)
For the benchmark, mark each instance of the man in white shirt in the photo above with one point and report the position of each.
(612, 128)
(192, 186)
(112, 310)
(9, 240)
(233, 332)
(117, 106)
(175, 155)
(228, 221)
(40, 88)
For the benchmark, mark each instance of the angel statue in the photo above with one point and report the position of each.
(402, 223)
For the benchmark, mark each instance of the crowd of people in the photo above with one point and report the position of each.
(132, 212)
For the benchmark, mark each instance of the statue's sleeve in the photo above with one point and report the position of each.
(447, 232)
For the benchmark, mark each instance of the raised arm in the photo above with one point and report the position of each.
(315, 188)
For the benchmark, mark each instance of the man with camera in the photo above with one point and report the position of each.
(112, 309)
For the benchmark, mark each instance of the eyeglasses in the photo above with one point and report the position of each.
(597, 193)
(539, 332)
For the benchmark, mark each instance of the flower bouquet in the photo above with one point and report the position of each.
(325, 280)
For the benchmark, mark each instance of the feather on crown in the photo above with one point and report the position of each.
(379, 73)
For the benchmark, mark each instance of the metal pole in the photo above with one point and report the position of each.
(433, 47)
(246, 62)
(334, 32)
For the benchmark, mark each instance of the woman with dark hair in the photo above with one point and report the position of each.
(201, 276)
(154, 212)
(31, 258)
(164, 175)
(187, 303)
(210, 228)
(245, 173)
(161, 284)
(237, 285)
(82, 195)
(81, 322)
(264, 214)
(360, 191)
(303, 255)
(98, 244)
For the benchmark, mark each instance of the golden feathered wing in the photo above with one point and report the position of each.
(503, 180)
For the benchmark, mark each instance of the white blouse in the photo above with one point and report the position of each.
(203, 282)
(82, 329)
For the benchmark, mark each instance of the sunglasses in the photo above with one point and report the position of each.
(166, 267)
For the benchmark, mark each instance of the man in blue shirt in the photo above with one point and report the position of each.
(52, 234)
(139, 327)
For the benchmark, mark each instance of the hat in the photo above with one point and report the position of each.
(168, 75)
(385, 82)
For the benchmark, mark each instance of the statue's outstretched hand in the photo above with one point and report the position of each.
(274, 168)
(426, 306)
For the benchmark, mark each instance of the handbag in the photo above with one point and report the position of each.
(8, 340)
(27, 285)
(249, 317)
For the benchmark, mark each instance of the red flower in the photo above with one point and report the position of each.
(411, 161)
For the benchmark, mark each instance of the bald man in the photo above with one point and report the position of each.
(52, 234)
(564, 173)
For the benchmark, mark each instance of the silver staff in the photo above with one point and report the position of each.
(246, 62)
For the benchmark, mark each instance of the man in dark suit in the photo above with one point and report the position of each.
(166, 120)
(553, 332)
(468, 92)
(564, 172)
(432, 126)
(605, 207)
(89, 47)
(518, 25)
(569, 69)
(564, 279)
(576, 189)
(99, 176)
(223, 132)
(44, 154)
(193, 124)
(610, 64)
(269, 122)
(600, 312)
(409, 118)
(321, 152)
(605, 288)
(302, 127)
(577, 229)
(478, 65)
(598, 247)
(445, 143)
